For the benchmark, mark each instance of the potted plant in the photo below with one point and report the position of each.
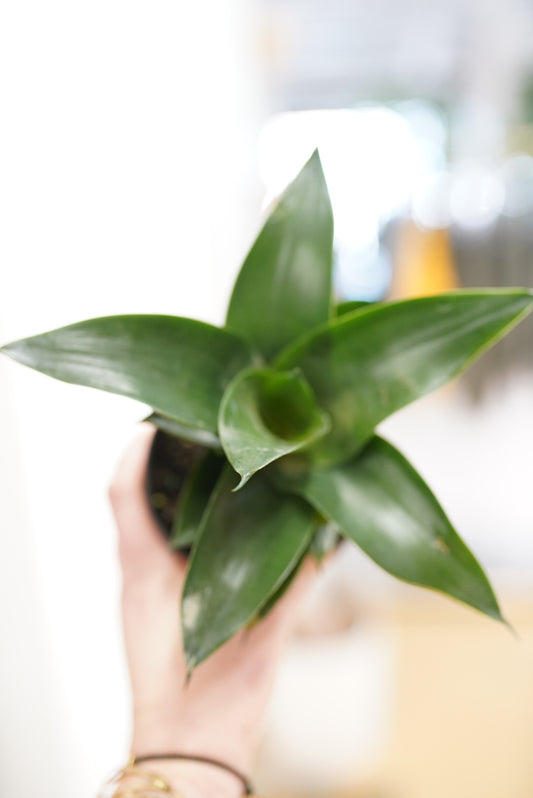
(274, 416)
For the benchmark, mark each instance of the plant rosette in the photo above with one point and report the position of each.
(275, 416)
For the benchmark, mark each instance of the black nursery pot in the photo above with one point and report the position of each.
(169, 464)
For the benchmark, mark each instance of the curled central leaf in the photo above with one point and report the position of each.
(266, 414)
(286, 404)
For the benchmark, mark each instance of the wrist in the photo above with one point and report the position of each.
(161, 735)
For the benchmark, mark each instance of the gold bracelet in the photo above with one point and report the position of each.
(132, 781)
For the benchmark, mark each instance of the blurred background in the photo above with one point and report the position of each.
(139, 145)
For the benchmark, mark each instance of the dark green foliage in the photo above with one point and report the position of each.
(302, 428)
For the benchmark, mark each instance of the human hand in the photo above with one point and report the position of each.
(218, 713)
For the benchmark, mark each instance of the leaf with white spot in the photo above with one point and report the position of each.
(249, 542)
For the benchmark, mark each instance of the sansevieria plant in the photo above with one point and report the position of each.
(286, 399)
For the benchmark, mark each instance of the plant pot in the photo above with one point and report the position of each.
(169, 465)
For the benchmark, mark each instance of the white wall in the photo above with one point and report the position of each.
(127, 185)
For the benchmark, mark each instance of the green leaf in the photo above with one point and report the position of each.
(365, 366)
(278, 594)
(184, 433)
(248, 544)
(194, 499)
(343, 308)
(265, 415)
(284, 287)
(379, 501)
(180, 367)
(325, 540)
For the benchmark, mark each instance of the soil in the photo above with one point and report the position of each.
(169, 465)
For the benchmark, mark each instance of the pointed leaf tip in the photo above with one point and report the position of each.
(284, 287)
(244, 479)
(510, 628)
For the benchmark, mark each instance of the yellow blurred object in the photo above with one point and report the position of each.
(423, 262)
(461, 720)
(464, 703)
